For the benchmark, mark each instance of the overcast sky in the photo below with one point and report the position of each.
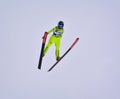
(90, 71)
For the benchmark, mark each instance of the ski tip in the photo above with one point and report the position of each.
(77, 38)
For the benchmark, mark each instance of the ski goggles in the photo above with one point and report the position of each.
(60, 25)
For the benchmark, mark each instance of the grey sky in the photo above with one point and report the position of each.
(90, 71)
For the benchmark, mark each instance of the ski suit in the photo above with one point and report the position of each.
(54, 39)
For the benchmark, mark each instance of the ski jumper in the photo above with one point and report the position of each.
(54, 39)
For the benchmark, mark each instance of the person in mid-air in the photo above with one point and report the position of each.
(55, 39)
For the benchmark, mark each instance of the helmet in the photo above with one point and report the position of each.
(60, 24)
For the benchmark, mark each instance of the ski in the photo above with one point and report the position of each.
(64, 54)
(42, 49)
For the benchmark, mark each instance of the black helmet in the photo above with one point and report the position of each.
(60, 24)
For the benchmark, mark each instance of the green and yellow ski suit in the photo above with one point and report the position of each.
(55, 39)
